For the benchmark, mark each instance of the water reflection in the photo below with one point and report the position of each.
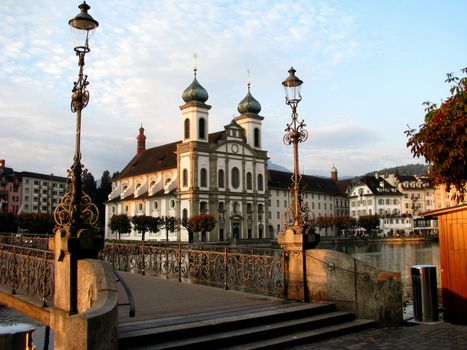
(399, 257)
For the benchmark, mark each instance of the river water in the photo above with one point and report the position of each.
(393, 256)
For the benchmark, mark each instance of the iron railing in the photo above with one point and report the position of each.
(27, 270)
(27, 240)
(256, 270)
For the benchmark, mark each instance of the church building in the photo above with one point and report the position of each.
(223, 174)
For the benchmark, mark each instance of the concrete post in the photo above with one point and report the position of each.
(292, 242)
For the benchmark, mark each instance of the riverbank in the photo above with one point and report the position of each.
(353, 240)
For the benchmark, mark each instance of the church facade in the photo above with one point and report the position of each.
(223, 174)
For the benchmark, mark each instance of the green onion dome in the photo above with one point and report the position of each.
(195, 92)
(249, 105)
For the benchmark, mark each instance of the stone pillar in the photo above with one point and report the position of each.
(292, 242)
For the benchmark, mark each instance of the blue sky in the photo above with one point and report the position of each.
(367, 66)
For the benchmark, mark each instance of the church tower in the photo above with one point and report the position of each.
(140, 141)
(195, 112)
(250, 120)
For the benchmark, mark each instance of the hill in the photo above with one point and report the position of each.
(409, 169)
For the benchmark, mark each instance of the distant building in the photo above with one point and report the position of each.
(10, 189)
(41, 193)
(29, 192)
(322, 196)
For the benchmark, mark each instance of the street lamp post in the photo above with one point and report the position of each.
(75, 216)
(294, 134)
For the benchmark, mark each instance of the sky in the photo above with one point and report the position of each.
(367, 67)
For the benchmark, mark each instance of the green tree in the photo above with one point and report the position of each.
(89, 186)
(145, 223)
(40, 223)
(8, 222)
(369, 222)
(169, 223)
(442, 138)
(103, 192)
(202, 223)
(120, 224)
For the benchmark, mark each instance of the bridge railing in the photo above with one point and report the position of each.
(28, 240)
(256, 270)
(27, 270)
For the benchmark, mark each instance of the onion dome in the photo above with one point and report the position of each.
(195, 92)
(249, 105)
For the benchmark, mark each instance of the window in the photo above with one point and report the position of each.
(257, 138)
(235, 178)
(155, 205)
(278, 215)
(277, 203)
(285, 204)
(185, 178)
(220, 178)
(187, 128)
(260, 182)
(202, 126)
(185, 214)
(249, 181)
(248, 207)
(204, 177)
(172, 203)
(221, 207)
(125, 208)
(203, 207)
(140, 207)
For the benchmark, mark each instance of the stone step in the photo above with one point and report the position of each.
(198, 325)
(306, 337)
(273, 326)
(240, 337)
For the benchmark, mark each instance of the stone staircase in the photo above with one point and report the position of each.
(267, 327)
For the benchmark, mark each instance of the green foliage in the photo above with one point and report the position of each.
(145, 223)
(344, 222)
(202, 223)
(8, 222)
(409, 169)
(40, 223)
(368, 222)
(442, 138)
(120, 223)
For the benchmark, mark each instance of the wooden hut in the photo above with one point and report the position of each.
(452, 224)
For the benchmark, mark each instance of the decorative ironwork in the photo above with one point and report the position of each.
(257, 270)
(26, 240)
(27, 270)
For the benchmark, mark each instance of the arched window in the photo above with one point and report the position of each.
(257, 142)
(220, 178)
(187, 129)
(185, 214)
(201, 128)
(155, 205)
(185, 178)
(260, 182)
(249, 182)
(204, 178)
(203, 207)
(235, 178)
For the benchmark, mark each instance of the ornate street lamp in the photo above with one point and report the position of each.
(294, 134)
(76, 216)
(76, 210)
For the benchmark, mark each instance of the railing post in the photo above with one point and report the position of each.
(225, 269)
(179, 263)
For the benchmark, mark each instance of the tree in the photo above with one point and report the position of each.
(324, 222)
(120, 223)
(202, 223)
(89, 186)
(8, 222)
(145, 223)
(169, 223)
(185, 222)
(369, 223)
(343, 223)
(40, 223)
(103, 192)
(442, 138)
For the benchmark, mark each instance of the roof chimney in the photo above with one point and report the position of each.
(141, 141)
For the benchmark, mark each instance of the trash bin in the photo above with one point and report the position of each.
(425, 293)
